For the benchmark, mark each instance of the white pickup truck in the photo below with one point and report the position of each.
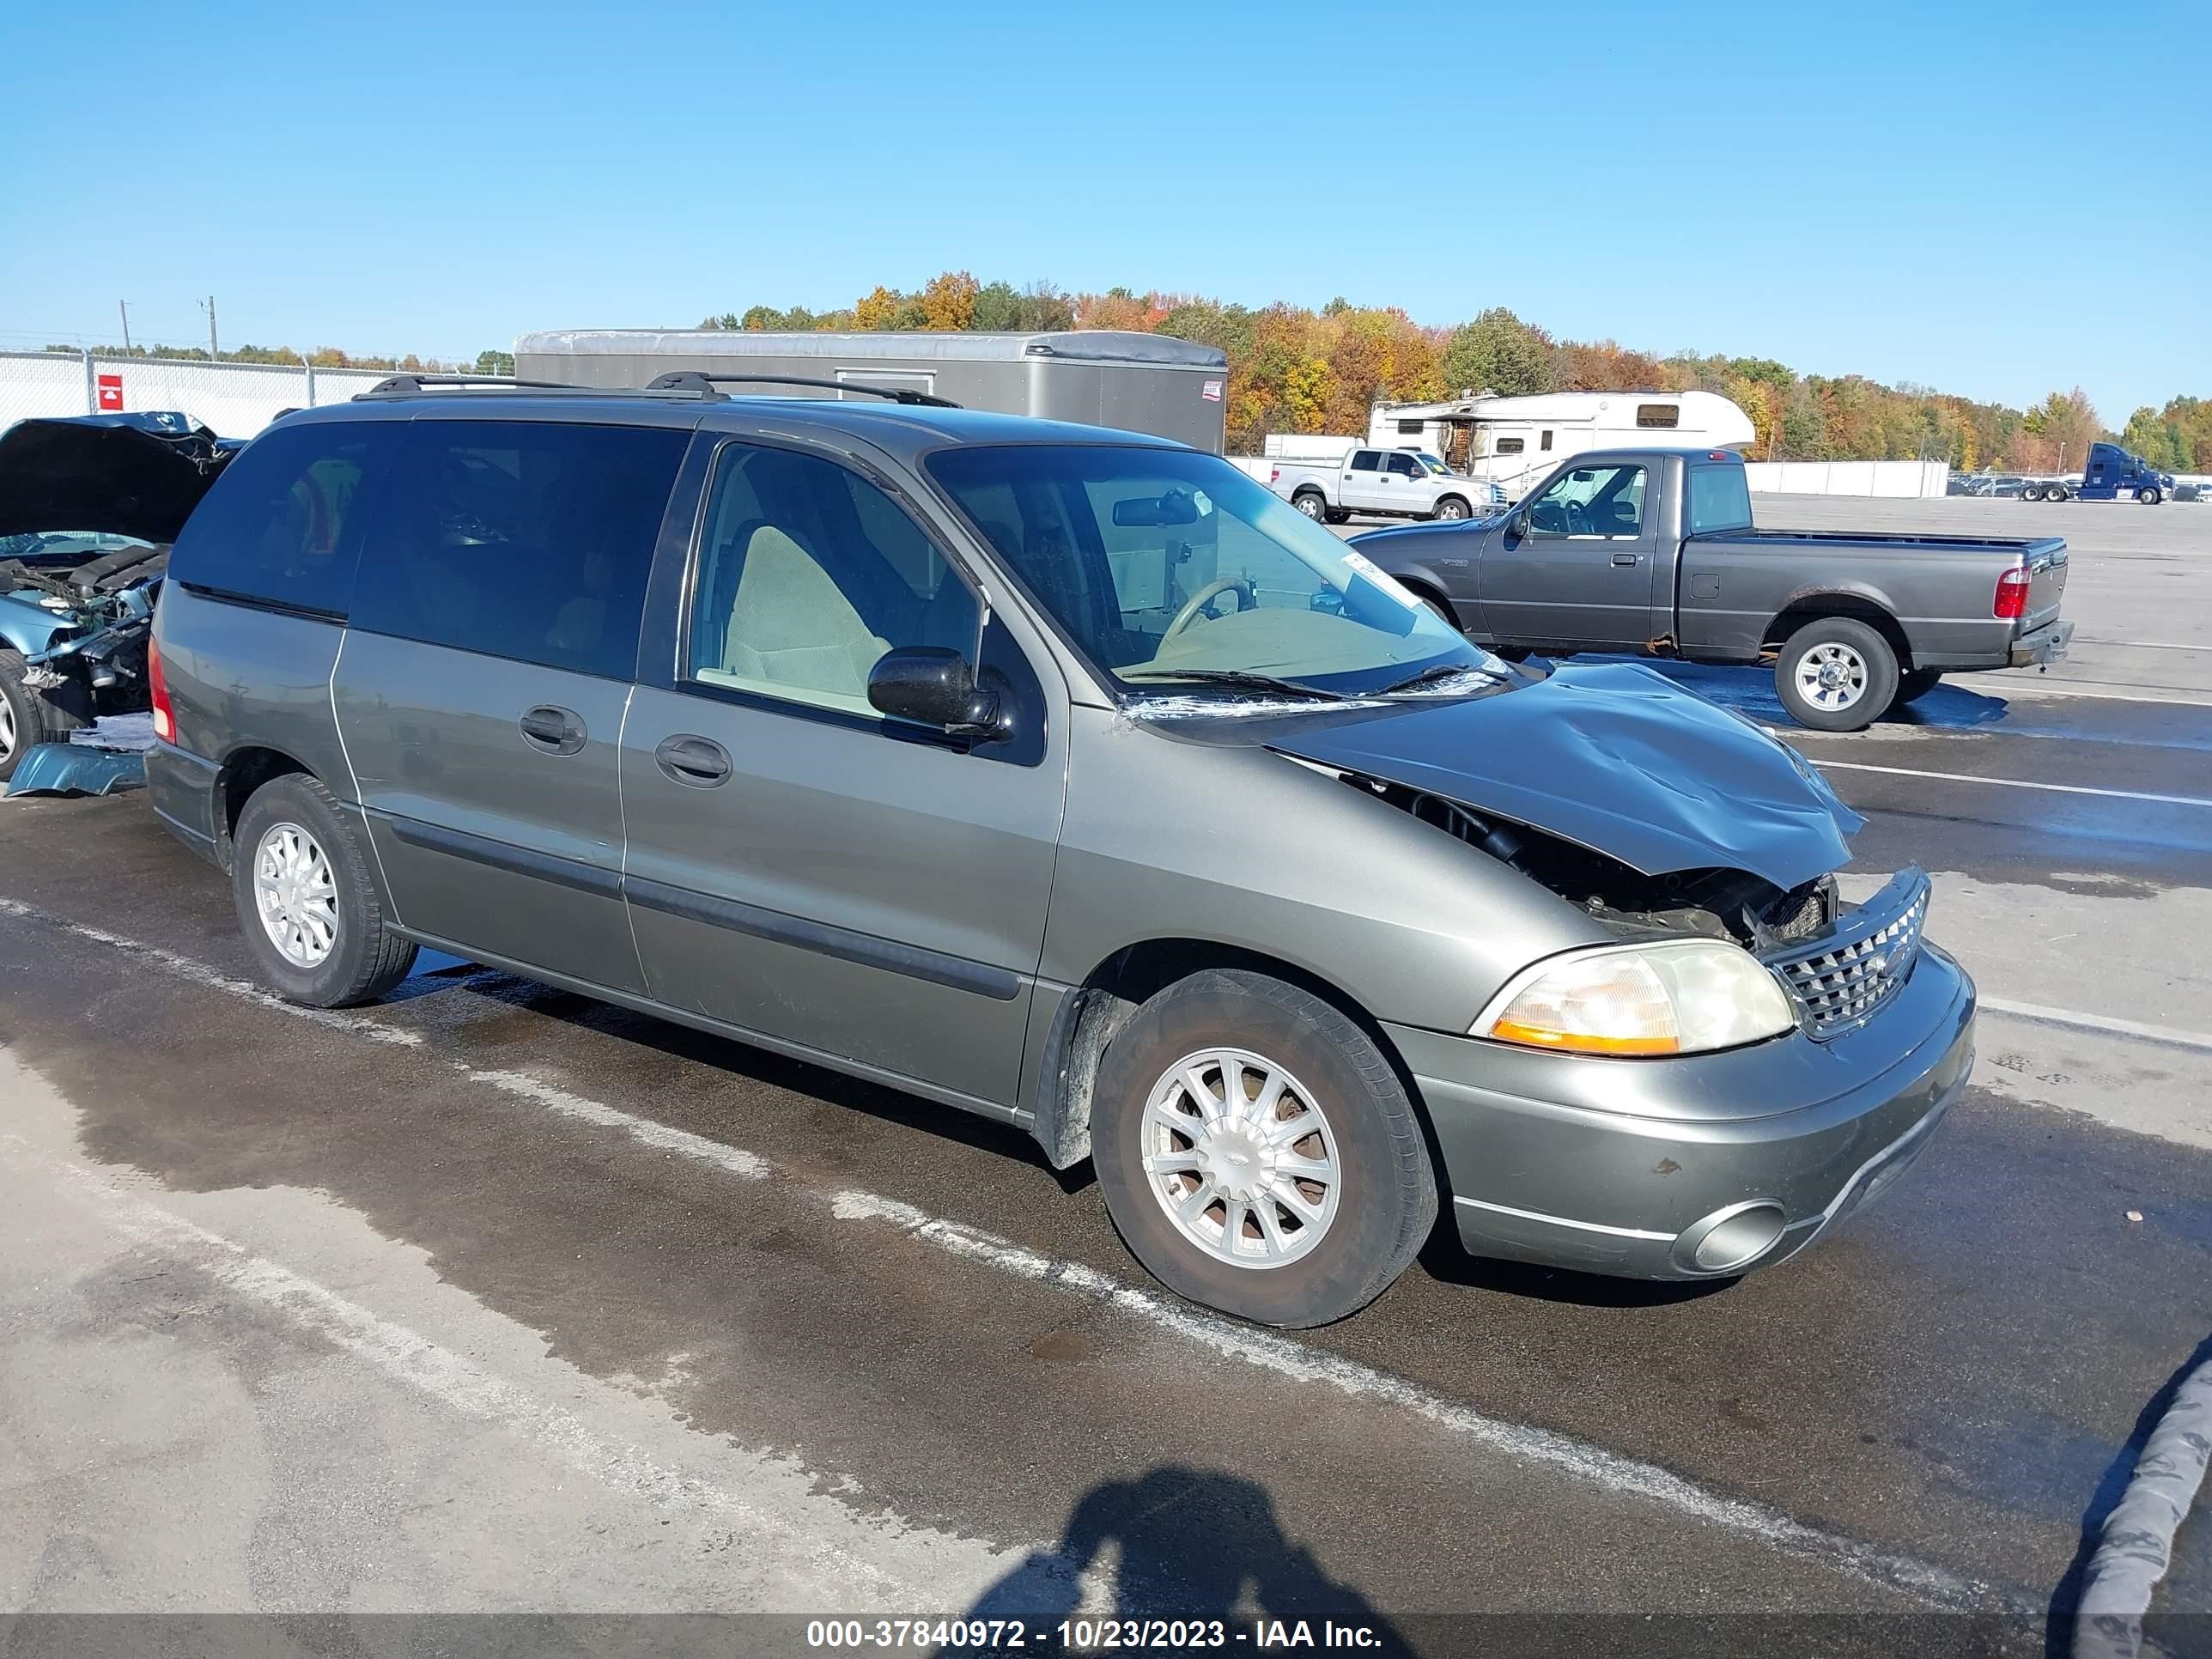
(1392, 483)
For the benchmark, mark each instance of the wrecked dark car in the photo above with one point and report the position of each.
(88, 507)
(1059, 776)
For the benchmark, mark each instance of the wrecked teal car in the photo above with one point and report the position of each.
(76, 606)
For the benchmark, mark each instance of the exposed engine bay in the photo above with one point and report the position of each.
(1717, 903)
(97, 613)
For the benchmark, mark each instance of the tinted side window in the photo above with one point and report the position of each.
(279, 526)
(1509, 446)
(524, 539)
(1649, 415)
(1403, 465)
(1720, 499)
(1367, 460)
(807, 574)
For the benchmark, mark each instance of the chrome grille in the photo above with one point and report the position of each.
(1842, 978)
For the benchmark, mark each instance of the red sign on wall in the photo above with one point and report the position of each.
(111, 392)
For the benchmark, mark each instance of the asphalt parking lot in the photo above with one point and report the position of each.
(491, 1297)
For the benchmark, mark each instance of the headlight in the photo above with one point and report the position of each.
(1680, 997)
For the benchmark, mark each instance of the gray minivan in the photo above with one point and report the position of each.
(1058, 774)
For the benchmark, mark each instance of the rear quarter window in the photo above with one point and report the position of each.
(1720, 499)
(281, 526)
(525, 539)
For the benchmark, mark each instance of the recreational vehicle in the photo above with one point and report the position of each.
(1150, 383)
(1516, 441)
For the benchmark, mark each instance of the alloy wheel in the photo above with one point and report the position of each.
(1832, 677)
(1240, 1155)
(296, 893)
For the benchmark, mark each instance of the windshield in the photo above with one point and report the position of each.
(1172, 570)
(1435, 463)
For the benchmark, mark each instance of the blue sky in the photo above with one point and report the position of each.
(1924, 194)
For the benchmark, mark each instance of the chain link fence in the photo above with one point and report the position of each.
(235, 400)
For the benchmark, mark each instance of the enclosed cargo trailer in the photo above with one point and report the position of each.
(1150, 383)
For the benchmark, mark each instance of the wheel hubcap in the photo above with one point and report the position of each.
(297, 896)
(1241, 1159)
(1832, 677)
(7, 729)
(1310, 506)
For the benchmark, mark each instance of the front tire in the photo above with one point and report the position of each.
(1257, 1152)
(2149, 497)
(1451, 509)
(1836, 674)
(26, 717)
(306, 904)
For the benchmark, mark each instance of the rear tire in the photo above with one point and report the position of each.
(2031, 492)
(1311, 503)
(306, 904)
(1915, 683)
(1344, 1226)
(1836, 674)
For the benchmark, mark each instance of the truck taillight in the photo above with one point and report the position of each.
(2012, 593)
(1275, 475)
(165, 722)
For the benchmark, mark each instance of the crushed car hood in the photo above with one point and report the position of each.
(136, 475)
(1616, 758)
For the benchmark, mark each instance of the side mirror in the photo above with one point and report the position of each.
(932, 685)
(1517, 525)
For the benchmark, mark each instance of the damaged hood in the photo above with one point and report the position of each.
(136, 475)
(1617, 758)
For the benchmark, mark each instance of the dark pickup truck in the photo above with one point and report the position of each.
(1653, 551)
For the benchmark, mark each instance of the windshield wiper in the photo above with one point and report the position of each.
(1440, 671)
(1240, 678)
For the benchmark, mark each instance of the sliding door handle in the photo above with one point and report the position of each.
(552, 729)
(694, 762)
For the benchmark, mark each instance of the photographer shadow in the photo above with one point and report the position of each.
(1191, 1544)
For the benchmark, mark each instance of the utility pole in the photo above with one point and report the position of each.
(124, 306)
(215, 351)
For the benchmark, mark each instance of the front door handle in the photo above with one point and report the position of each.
(1628, 558)
(552, 729)
(694, 762)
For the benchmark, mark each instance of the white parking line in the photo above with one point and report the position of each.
(1935, 1586)
(2014, 783)
(2170, 697)
(452, 1379)
(2103, 1023)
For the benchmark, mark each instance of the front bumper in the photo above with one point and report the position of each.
(1621, 1166)
(2046, 644)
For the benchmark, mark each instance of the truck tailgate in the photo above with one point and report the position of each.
(2046, 569)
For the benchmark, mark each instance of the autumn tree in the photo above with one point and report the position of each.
(1607, 365)
(948, 301)
(1497, 352)
(878, 308)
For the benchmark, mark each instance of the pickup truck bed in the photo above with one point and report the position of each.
(1612, 553)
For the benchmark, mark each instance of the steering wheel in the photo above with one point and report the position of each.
(1578, 518)
(1195, 607)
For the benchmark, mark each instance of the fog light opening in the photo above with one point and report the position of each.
(1732, 1239)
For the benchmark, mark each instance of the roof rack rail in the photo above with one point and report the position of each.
(403, 385)
(699, 380)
